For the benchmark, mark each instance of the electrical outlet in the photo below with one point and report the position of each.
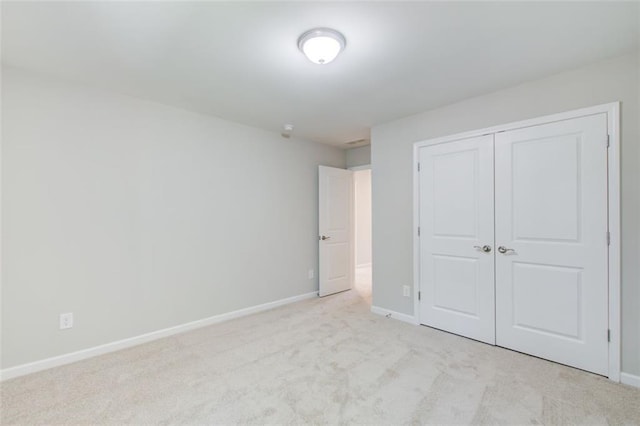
(311, 274)
(66, 320)
(406, 291)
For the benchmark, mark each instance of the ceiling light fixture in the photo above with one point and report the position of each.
(321, 45)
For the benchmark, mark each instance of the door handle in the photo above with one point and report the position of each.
(324, 238)
(485, 248)
(503, 249)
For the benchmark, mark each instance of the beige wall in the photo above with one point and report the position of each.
(392, 143)
(137, 216)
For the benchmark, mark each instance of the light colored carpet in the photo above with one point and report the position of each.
(319, 361)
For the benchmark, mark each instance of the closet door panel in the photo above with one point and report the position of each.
(456, 220)
(551, 227)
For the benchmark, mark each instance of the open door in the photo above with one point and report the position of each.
(335, 270)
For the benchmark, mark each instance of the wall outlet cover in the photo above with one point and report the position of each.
(66, 320)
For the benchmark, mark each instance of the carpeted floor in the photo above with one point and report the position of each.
(315, 362)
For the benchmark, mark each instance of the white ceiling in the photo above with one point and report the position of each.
(240, 61)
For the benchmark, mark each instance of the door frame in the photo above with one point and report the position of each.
(613, 195)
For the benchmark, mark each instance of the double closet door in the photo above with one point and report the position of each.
(513, 242)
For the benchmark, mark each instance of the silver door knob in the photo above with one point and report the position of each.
(503, 249)
(324, 238)
(485, 248)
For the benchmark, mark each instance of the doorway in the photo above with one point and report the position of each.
(362, 257)
(344, 225)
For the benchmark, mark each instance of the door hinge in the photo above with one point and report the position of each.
(418, 295)
(418, 166)
(608, 238)
(418, 231)
(608, 141)
(608, 335)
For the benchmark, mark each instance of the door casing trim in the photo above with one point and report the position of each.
(612, 110)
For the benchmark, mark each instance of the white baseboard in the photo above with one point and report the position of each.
(32, 367)
(630, 379)
(395, 315)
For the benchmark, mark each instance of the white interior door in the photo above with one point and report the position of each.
(456, 237)
(335, 230)
(551, 218)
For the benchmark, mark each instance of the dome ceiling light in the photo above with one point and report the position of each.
(321, 45)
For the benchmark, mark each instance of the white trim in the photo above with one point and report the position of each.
(609, 108)
(615, 284)
(630, 379)
(395, 315)
(32, 367)
(357, 168)
(613, 127)
(416, 238)
(364, 265)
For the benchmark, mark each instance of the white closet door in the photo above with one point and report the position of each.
(456, 220)
(551, 218)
